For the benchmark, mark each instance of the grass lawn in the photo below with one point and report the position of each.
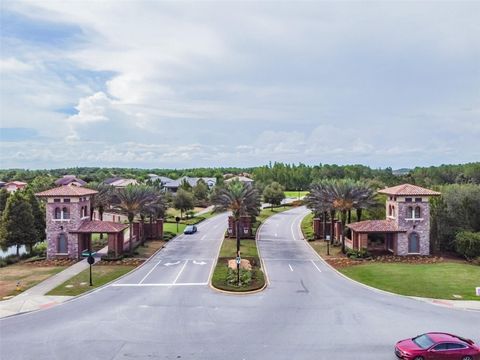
(307, 227)
(28, 275)
(101, 275)
(172, 227)
(295, 194)
(320, 246)
(248, 248)
(439, 281)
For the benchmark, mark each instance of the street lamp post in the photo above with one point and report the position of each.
(91, 261)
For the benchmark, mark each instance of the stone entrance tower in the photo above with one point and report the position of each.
(409, 207)
(67, 208)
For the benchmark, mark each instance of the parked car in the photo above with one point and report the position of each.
(190, 229)
(437, 346)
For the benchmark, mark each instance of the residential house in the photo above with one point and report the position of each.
(13, 186)
(70, 180)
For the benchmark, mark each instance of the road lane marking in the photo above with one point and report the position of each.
(316, 266)
(199, 263)
(170, 264)
(159, 285)
(150, 271)
(180, 272)
(290, 266)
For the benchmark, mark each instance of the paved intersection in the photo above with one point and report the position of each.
(164, 310)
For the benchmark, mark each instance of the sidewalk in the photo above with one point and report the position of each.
(35, 298)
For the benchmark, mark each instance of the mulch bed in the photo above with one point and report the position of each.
(51, 262)
(343, 261)
(126, 261)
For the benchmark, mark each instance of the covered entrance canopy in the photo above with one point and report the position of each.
(112, 229)
(375, 235)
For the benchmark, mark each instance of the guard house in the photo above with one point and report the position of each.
(69, 227)
(406, 229)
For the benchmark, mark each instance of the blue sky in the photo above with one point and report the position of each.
(179, 84)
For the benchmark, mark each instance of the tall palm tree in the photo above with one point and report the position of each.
(153, 208)
(239, 198)
(366, 198)
(131, 200)
(318, 201)
(102, 200)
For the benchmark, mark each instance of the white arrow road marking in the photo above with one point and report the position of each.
(290, 266)
(170, 264)
(199, 263)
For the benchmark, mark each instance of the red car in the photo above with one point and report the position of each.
(437, 346)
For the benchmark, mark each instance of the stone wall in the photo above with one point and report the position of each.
(421, 226)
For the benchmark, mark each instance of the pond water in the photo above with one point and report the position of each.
(12, 250)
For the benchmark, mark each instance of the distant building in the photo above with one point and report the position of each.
(240, 178)
(119, 182)
(192, 181)
(406, 229)
(162, 179)
(2, 184)
(13, 186)
(70, 180)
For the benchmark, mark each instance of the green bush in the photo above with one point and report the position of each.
(245, 277)
(40, 249)
(467, 243)
(168, 235)
(358, 254)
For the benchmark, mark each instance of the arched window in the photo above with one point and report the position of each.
(413, 243)
(66, 213)
(389, 210)
(417, 212)
(62, 247)
(393, 211)
(57, 213)
(409, 212)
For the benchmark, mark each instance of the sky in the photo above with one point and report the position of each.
(178, 84)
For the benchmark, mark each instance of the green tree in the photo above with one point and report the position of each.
(131, 200)
(18, 225)
(4, 194)
(200, 193)
(183, 201)
(274, 194)
(239, 198)
(38, 213)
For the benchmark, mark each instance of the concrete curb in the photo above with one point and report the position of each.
(434, 302)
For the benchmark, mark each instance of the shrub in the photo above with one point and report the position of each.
(40, 249)
(467, 244)
(168, 235)
(245, 277)
(358, 254)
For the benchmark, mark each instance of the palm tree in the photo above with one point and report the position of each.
(131, 200)
(239, 198)
(318, 201)
(366, 198)
(154, 208)
(102, 200)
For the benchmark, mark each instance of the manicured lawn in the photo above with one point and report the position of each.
(307, 227)
(101, 275)
(248, 248)
(28, 275)
(172, 227)
(149, 249)
(440, 281)
(295, 194)
(320, 246)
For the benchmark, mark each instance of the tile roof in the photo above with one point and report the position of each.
(375, 226)
(68, 179)
(97, 226)
(72, 191)
(408, 189)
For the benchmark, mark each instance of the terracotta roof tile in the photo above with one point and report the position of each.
(72, 191)
(407, 190)
(96, 226)
(375, 226)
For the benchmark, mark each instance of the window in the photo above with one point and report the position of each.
(389, 210)
(57, 213)
(440, 347)
(409, 214)
(56, 200)
(455, 346)
(408, 199)
(62, 247)
(66, 200)
(413, 243)
(418, 199)
(66, 213)
(417, 212)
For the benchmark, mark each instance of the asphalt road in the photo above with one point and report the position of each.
(165, 311)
